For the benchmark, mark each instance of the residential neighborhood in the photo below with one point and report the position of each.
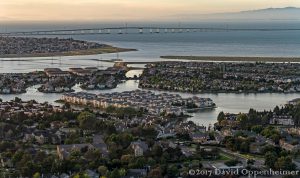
(140, 100)
(139, 142)
(140, 133)
(56, 80)
(27, 46)
(222, 77)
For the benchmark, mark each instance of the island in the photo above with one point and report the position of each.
(45, 47)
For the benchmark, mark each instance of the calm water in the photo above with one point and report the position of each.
(151, 46)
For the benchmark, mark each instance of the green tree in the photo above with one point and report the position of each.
(37, 175)
(126, 159)
(233, 162)
(276, 110)
(244, 147)
(115, 174)
(156, 172)
(221, 117)
(18, 99)
(156, 150)
(67, 106)
(102, 170)
(81, 175)
(172, 171)
(17, 157)
(257, 128)
(270, 159)
(92, 155)
(250, 161)
(243, 119)
(111, 109)
(285, 163)
(87, 120)
(122, 172)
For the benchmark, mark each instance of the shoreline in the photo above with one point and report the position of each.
(233, 58)
(103, 50)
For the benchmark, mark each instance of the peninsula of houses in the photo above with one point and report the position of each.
(168, 104)
(218, 77)
(42, 47)
(192, 77)
(55, 80)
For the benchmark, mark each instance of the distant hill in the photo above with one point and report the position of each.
(287, 13)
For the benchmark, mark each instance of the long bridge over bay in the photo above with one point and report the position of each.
(136, 30)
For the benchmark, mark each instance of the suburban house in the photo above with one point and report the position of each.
(199, 137)
(282, 120)
(294, 101)
(139, 147)
(64, 151)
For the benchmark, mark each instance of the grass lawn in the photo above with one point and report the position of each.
(224, 157)
(250, 156)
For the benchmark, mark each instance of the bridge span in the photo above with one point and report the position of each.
(135, 30)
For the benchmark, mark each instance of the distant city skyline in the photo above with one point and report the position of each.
(126, 10)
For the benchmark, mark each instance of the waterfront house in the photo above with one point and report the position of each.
(202, 129)
(154, 104)
(294, 101)
(199, 137)
(282, 120)
(80, 72)
(56, 72)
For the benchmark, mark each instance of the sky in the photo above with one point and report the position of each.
(125, 10)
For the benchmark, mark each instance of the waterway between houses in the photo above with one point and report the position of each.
(227, 102)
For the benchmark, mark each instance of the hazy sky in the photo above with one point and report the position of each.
(125, 10)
